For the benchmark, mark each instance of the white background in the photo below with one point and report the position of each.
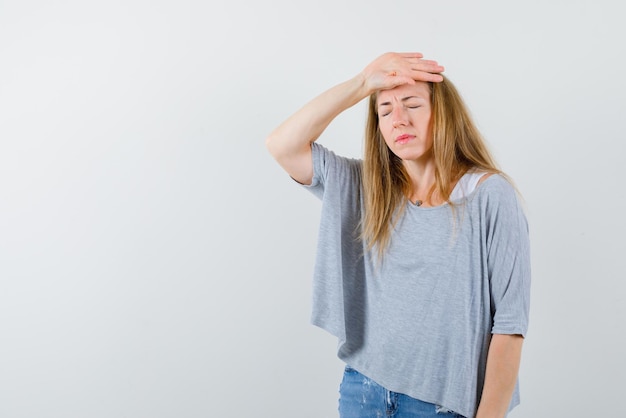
(154, 260)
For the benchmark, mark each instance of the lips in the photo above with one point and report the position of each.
(403, 139)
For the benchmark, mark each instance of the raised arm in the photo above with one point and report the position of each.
(290, 143)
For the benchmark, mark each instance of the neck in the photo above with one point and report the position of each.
(422, 175)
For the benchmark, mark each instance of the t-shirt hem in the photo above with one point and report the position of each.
(509, 331)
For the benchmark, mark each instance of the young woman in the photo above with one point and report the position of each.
(423, 266)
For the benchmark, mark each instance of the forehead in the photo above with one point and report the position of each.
(419, 89)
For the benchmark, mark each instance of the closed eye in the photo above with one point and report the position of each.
(388, 112)
(384, 110)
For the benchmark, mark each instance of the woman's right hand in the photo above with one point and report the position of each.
(290, 143)
(394, 69)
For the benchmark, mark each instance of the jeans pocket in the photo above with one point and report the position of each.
(349, 369)
(445, 412)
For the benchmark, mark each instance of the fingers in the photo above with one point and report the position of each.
(427, 71)
(426, 76)
(411, 54)
(398, 81)
(394, 80)
(418, 70)
(430, 63)
(416, 58)
(393, 69)
(413, 62)
(427, 65)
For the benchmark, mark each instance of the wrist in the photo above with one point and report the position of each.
(360, 87)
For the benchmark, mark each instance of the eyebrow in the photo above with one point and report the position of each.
(403, 100)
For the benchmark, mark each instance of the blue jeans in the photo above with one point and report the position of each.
(361, 397)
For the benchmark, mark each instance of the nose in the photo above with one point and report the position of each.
(399, 118)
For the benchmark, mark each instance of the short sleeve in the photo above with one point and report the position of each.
(508, 259)
(329, 167)
(339, 262)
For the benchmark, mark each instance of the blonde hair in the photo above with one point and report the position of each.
(457, 147)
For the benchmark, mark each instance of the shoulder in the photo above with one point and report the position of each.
(494, 184)
(326, 156)
(327, 163)
(496, 190)
(332, 170)
(500, 213)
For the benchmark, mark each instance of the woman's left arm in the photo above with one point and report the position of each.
(503, 361)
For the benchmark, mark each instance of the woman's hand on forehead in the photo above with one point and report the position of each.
(394, 69)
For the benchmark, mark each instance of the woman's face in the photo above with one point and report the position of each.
(404, 120)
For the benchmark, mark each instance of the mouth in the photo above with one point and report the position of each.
(403, 139)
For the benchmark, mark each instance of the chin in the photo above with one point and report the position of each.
(410, 155)
(415, 156)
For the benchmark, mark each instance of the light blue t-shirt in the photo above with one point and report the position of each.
(420, 321)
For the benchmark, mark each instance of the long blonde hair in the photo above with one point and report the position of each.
(457, 147)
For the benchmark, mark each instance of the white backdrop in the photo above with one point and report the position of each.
(155, 261)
